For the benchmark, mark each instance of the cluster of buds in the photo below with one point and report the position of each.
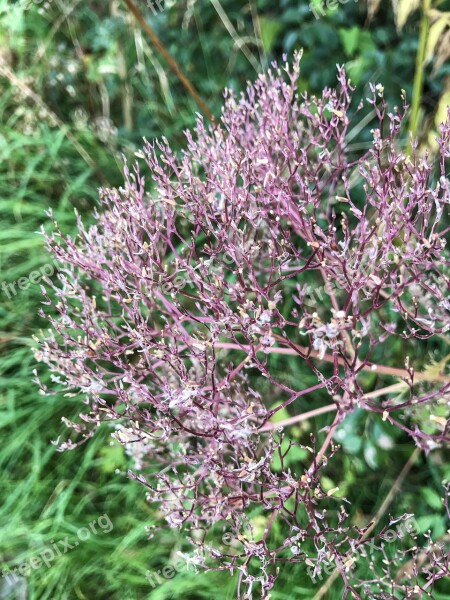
(173, 313)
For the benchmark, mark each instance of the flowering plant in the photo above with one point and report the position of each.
(177, 308)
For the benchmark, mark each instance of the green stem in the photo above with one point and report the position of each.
(419, 70)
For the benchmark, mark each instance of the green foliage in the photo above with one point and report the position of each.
(89, 86)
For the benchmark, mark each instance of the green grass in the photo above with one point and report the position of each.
(46, 495)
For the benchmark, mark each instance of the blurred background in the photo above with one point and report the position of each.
(81, 83)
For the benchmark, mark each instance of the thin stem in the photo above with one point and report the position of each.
(397, 387)
(296, 350)
(240, 43)
(169, 59)
(298, 418)
(419, 69)
(393, 491)
(389, 389)
(327, 442)
(383, 508)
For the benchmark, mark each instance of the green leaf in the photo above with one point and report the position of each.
(350, 442)
(269, 29)
(295, 455)
(432, 522)
(371, 455)
(432, 498)
(434, 33)
(280, 415)
(350, 38)
(112, 458)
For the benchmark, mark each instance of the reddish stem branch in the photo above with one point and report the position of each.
(372, 367)
(298, 418)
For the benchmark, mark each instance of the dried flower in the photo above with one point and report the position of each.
(174, 303)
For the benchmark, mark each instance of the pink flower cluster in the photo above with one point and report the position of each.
(175, 310)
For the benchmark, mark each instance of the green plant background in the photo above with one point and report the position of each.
(80, 85)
